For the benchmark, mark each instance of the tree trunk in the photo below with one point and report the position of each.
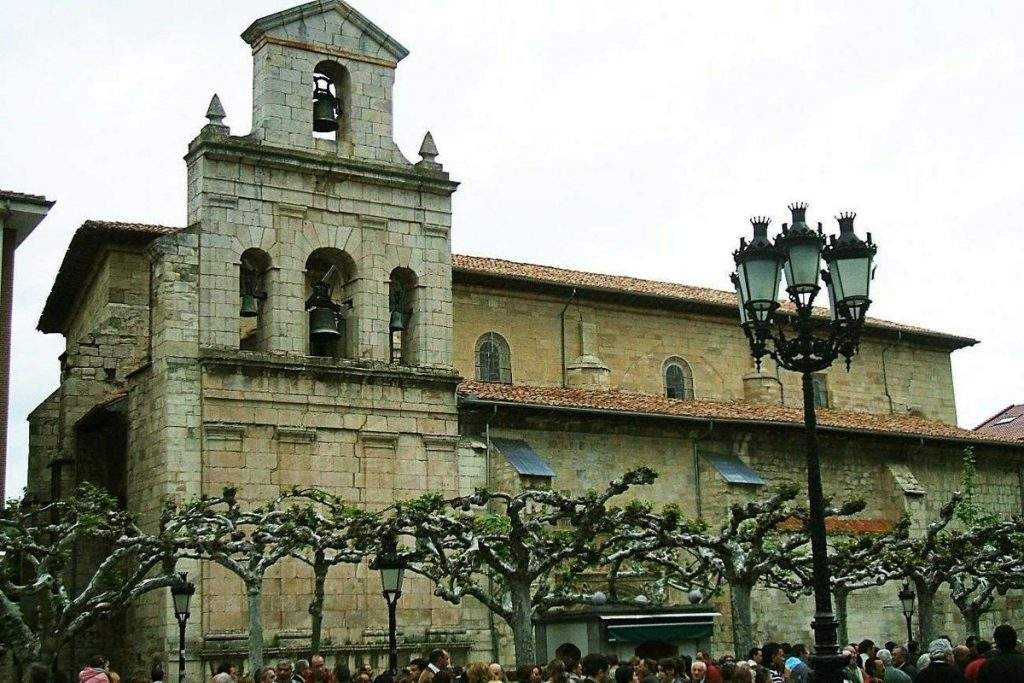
(255, 595)
(925, 614)
(839, 596)
(742, 631)
(522, 622)
(316, 607)
(973, 619)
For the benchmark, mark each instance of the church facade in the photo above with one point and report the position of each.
(310, 326)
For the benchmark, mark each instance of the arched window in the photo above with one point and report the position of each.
(332, 101)
(820, 384)
(493, 360)
(402, 322)
(678, 379)
(330, 276)
(253, 267)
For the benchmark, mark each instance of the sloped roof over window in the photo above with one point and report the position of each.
(523, 458)
(735, 412)
(1008, 423)
(733, 470)
(78, 259)
(719, 300)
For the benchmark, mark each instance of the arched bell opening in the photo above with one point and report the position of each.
(331, 101)
(330, 284)
(402, 317)
(253, 269)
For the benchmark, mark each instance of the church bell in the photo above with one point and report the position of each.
(397, 321)
(325, 105)
(323, 323)
(249, 307)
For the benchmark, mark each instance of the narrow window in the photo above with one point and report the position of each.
(678, 379)
(252, 300)
(820, 384)
(493, 359)
(402, 322)
(330, 275)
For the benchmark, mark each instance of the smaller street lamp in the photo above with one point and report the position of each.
(392, 571)
(182, 591)
(907, 597)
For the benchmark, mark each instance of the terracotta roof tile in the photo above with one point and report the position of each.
(1008, 423)
(845, 525)
(79, 257)
(726, 300)
(21, 196)
(723, 411)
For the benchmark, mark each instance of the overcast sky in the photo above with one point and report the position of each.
(629, 138)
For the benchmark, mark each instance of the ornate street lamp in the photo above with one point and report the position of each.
(907, 597)
(182, 591)
(392, 571)
(802, 342)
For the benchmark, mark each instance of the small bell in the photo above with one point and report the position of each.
(323, 324)
(397, 321)
(326, 107)
(249, 307)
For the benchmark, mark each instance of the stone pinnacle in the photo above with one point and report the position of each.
(428, 150)
(215, 112)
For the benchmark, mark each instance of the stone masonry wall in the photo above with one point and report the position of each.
(635, 342)
(588, 452)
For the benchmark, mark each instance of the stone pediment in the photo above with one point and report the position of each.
(331, 23)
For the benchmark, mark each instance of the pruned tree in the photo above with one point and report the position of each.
(863, 562)
(324, 532)
(533, 545)
(751, 548)
(993, 566)
(40, 611)
(246, 543)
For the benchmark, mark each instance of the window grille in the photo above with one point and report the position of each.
(493, 360)
(678, 379)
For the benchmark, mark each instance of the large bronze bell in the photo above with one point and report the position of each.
(249, 307)
(323, 324)
(397, 323)
(325, 105)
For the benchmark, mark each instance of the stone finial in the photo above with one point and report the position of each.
(215, 112)
(428, 150)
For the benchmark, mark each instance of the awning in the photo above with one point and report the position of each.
(523, 458)
(733, 470)
(668, 628)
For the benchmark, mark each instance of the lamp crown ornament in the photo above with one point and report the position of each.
(760, 225)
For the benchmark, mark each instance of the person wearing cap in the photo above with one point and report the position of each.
(892, 674)
(941, 668)
(1006, 665)
(799, 672)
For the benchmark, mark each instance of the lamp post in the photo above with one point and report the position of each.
(907, 596)
(182, 591)
(392, 571)
(801, 342)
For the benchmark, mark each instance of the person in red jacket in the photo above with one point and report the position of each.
(973, 667)
(714, 675)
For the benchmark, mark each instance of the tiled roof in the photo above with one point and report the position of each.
(845, 525)
(79, 257)
(745, 412)
(1008, 423)
(726, 301)
(22, 197)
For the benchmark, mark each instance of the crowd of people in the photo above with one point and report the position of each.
(973, 661)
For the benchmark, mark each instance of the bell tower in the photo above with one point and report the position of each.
(323, 76)
(317, 236)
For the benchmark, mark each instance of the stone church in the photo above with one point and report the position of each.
(309, 325)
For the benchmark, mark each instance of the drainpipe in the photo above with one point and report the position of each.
(885, 375)
(696, 468)
(487, 485)
(561, 316)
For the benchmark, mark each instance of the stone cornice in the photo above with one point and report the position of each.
(219, 147)
(342, 369)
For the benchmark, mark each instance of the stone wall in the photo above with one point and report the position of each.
(588, 451)
(634, 342)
